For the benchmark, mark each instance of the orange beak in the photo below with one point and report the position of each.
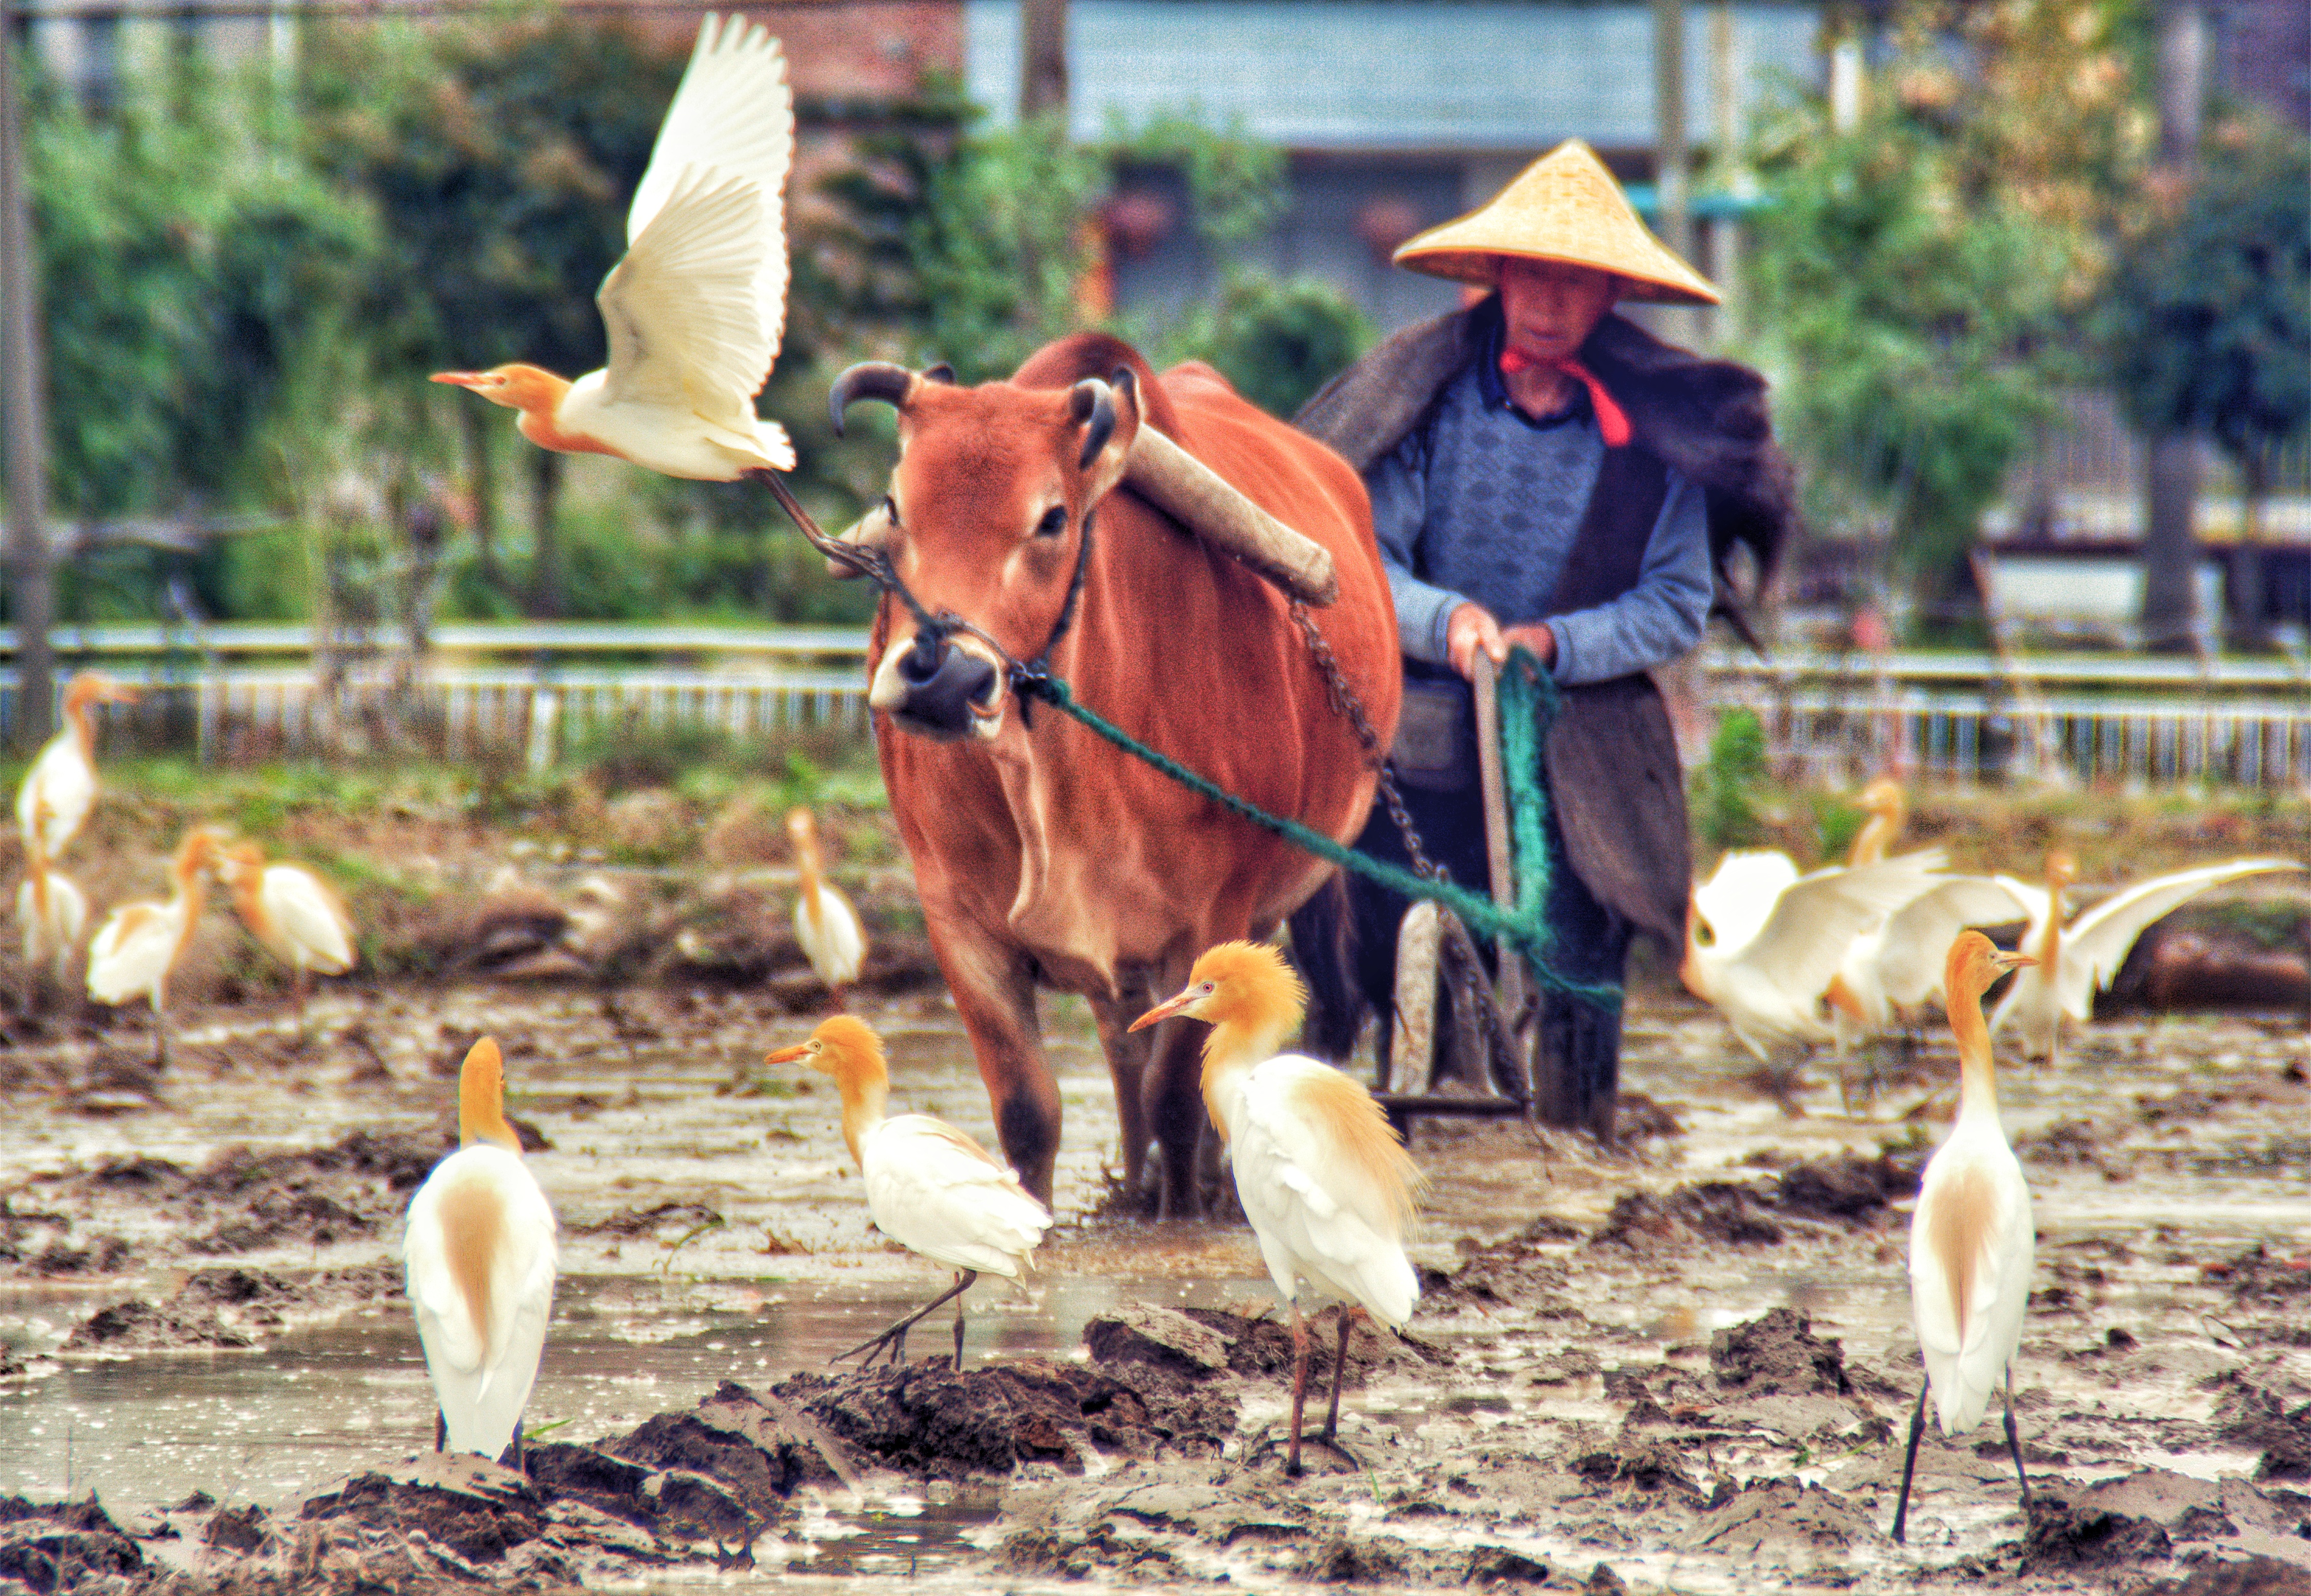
(1165, 1010)
(788, 1055)
(462, 378)
(2012, 961)
(119, 693)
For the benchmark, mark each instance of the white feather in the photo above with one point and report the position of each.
(310, 929)
(1965, 1361)
(57, 794)
(482, 1368)
(134, 950)
(1314, 1217)
(51, 929)
(833, 941)
(935, 1191)
(1901, 961)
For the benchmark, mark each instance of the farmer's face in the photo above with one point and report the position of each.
(1552, 305)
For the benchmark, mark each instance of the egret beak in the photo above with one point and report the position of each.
(788, 1055)
(1165, 1010)
(118, 693)
(462, 378)
(2012, 961)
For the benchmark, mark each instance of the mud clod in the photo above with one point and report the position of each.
(1604, 1581)
(1498, 1565)
(1851, 1190)
(1778, 1353)
(1708, 1211)
(60, 1546)
(2088, 1537)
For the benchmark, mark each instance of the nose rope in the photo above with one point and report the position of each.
(1026, 680)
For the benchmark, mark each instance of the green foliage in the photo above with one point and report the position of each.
(1278, 341)
(1907, 309)
(187, 266)
(1236, 182)
(1724, 793)
(2207, 319)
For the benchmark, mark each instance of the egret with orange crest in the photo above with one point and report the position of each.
(51, 913)
(1322, 1175)
(696, 308)
(825, 922)
(479, 1259)
(140, 943)
(296, 915)
(59, 789)
(930, 1188)
(1970, 1239)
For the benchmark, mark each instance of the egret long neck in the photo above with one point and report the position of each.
(2050, 946)
(1236, 1045)
(481, 1100)
(865, 1095)
(83, 730)
(1977, 1089)
(1875, 835)
(806, 880)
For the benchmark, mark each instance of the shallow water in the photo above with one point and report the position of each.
(662, 1099)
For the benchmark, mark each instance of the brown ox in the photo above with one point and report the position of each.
(1042, 853)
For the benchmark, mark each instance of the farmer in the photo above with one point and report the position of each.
(1547, 475)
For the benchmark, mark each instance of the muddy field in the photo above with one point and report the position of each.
(1685, 1366)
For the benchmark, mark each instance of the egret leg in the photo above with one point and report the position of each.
(959, 1333)
(895, 1338)
(297, 986)
(1910, 1464)
(1299, 1389)
(160, 1037)
(441, 1430)
(1349, 1317)
(2014, 1444)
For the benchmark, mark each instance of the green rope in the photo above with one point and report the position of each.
(1528, 699)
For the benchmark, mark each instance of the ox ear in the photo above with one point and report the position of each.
(1108, 413)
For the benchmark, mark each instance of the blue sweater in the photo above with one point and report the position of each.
(1484, 504)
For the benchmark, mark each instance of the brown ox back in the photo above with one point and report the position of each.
(1042, 853)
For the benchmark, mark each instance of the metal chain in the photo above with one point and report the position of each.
(1469, 968)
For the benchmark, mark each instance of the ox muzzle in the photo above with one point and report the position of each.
(942, 687)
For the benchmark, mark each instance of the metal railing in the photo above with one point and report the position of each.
(531, 690)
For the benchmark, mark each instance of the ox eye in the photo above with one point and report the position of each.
(1054, 522)
(891, 509)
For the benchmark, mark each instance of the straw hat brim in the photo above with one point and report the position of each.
(1565, 206)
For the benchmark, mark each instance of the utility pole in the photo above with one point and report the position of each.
(31, 598)
(1673, 157)
(1726, 163)
(1042, 57)
(2170, 598)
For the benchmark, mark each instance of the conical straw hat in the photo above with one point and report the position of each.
(1564, 207)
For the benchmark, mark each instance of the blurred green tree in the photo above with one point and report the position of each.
(2206, 323)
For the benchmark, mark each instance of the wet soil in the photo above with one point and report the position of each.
(1682, 1366)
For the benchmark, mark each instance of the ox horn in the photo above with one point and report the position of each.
(869, 379)
(1092, 404)
(1182, 486)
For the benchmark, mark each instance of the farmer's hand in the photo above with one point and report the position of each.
(1472, 627)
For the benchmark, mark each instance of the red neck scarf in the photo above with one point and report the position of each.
(1612, 421)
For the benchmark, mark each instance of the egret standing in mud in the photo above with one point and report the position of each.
(479, 1255)
(140, 943)
(60, 788)
(51, 913)
(1322, 1175)
(297, 916)
(2075, 961)
(1970, 1240)
(825, 923)
(930, 1188)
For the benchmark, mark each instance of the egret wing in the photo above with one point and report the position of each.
(311, 916)
(680, 308)
(733, 114)
(1310, 1195)
(1916, 942)
(1817, 918)
(2097, 943)
(936, 1192)
(1740, 894)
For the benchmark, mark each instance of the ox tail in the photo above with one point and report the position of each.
(1324, 949)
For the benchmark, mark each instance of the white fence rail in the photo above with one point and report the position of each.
(233, 692)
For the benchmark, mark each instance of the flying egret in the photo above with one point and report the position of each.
(1891, 973)
(930, 1188)
(825, 922)
(297, 916)
(1762, 945)
(1970, 1238)
(60, 788)
(696, 308)
(139, 943)
(2075, 961)
(1322, 1175)
(479, 1259)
